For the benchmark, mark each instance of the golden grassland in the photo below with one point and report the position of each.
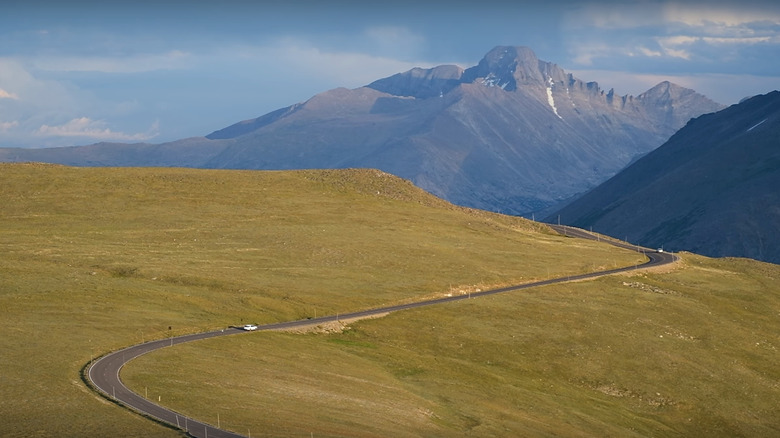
(94, 259)
(692, 352)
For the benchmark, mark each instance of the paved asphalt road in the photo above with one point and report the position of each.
(104, 373)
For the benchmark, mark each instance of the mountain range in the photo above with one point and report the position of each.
(711, 189)
(512, 134)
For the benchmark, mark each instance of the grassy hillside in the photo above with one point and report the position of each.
(94, 259)
(692, 352)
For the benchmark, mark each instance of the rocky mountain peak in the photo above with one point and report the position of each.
(666, 92)
(505, 67)
(420, 82)
(672, 103)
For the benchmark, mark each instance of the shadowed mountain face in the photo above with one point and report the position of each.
(711, 189)
(511, 134)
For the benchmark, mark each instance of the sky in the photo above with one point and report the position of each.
(82, 72)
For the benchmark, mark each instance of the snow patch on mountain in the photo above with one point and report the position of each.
(494, 81)
(568, 94)
(550, 99)
(756, 125)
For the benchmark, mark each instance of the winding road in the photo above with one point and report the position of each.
(104, 373)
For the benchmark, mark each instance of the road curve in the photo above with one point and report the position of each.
(104, 373)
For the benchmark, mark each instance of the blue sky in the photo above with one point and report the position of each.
(74, 73)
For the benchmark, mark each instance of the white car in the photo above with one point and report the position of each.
(250, 327)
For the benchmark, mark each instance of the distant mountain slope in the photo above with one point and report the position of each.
(190, 152)
(713, 188)
(512, 134)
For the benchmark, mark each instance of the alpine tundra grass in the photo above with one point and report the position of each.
(94, 259)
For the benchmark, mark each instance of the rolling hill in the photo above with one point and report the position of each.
(95, 259)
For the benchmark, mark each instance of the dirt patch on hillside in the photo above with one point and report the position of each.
(663, 269)
(338, 326)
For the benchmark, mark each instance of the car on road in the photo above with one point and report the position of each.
(250, 327)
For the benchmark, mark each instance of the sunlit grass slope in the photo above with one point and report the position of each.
(693, 352)
(94, 259)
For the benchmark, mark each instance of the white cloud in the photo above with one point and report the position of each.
(7, 126)
(6, 95)
(692, 31)
(683, 40)
(37, 95)
(677, 53)
(631, 15)
(585, 51)
(347, 69)
(394, 40)
(39, 107)
(678, 40)
(650, 53)
(356, 68)
(686, 46)
(85, 127)
(612, 16)
(742, 41)
(732, 16)
(172, 60)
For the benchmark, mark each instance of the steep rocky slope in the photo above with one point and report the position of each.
(711, 189)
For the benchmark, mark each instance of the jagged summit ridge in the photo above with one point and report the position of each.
(505, 67)
(665, 90)
(420, 82)
(501, 65)
(511, 68)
